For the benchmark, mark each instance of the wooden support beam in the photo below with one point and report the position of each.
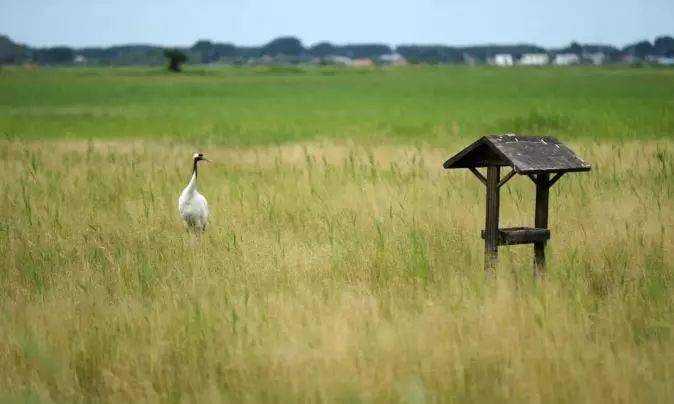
(532, 177)
(506, 178)
(541, 219)
(521, 235)
(491, 237)
(555, 178)
(478, 175)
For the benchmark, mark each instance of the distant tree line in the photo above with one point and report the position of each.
(291, 50)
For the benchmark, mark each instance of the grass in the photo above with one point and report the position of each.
(252, 106)
(338, 266)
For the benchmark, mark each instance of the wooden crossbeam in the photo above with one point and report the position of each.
(506, 178)
(478, 175)
(555, 178)
(534, 178)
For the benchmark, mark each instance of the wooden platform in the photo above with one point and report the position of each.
(521, 235)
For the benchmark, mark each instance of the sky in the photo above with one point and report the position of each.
(254, 22)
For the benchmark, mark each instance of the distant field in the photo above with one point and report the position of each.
(341, 263)
(271, 105)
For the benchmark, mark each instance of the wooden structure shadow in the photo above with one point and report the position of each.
(543, 159)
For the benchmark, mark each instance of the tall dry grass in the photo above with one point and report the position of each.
(330, 272)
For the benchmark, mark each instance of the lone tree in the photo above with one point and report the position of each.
(175, 58)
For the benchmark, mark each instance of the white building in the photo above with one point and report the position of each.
(596, 58)
(338, 60)
(362, 62)
(566, 59)
(469, 60)
(534, 59)
(667, 61)
(503, 59)
(393, 59)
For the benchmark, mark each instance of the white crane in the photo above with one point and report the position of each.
(192, 205)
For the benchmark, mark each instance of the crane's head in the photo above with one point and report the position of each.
(199, 157)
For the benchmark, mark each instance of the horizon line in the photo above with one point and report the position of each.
(391, 45)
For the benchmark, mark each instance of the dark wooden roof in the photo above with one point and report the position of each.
(526, 154)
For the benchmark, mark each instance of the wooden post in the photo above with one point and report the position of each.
(541, 220)
(491, 222)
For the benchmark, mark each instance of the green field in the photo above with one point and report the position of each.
(272, 105)
(341, 263)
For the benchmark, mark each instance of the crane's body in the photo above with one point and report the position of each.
(193, 206)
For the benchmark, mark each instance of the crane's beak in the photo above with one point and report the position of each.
(204, 159)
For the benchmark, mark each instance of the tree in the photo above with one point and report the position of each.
(12, 53)
(209, 52)
(664, 46)
(289, 46)
(639, 49)
(204, 50)
(59, 55)
(367, 50)
(575, 47)
(175, 58)
(324, 49)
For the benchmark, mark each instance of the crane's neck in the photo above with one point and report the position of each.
(192, 185)
(194, 169)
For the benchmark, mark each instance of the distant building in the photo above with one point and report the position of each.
(362, 62)
(338, 60)
(80, 59)
(264, 60)
(534, 59)
(566, 59)
(663, 60)
(469, 60)
(595, 58)
(393, 59)
(628, 59)
(503, 59)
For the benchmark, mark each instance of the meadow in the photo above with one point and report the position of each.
(249, 106)
(341, 263)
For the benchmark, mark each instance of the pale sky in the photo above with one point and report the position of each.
(255, 22)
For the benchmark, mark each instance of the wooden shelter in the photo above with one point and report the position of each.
(543, 159)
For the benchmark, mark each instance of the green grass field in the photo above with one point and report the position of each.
(341, 263)
(273, 105)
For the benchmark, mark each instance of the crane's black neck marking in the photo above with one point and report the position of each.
(194, 167)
